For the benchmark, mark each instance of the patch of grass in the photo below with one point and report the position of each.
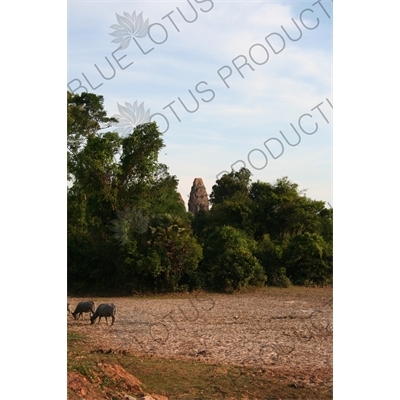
(179, 379)
(74, 337)
(108, 382)
(76, 360)
(85, 369)
(182, 379)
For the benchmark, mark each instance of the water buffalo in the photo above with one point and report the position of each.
(83, 307)
(104, 310)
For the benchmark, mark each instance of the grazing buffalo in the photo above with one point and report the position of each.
(104, 310)
(83, 307)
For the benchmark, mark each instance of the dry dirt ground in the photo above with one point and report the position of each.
(284, 332)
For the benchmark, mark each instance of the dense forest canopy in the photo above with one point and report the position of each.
(128, 232)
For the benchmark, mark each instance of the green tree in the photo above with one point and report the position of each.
(85, 118)
(294, 234)
(308, 260)
(112, 180)
(282, 210)
(235, 211)
(229, 185)
(229, 263)
(231, 205)
(171, 254)
(270, 255)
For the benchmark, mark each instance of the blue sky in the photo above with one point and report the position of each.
(273, 82)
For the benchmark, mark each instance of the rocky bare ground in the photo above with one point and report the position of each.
(282, 332)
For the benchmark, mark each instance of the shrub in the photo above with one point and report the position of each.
(309, 260)
(229, 263)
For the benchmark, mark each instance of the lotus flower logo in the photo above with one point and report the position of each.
(129, 222)
(129, 26)
(131, 115)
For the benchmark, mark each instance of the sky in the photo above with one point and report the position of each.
(226, 82)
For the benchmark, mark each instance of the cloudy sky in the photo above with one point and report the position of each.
(230, 83)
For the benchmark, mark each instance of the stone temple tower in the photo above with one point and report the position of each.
(198, 199)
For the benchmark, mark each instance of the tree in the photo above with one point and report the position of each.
(308, 260)
(229, 185)
(232, 205)
(282, 210)
(270, 255)
(112, 180)
(139, 162)
(229, 263)
(172, 254)
(85, 117)
(235, 211)
(294, 234)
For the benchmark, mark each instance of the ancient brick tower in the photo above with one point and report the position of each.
(198, 199)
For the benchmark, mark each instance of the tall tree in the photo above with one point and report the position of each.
(85, 118)
(282, 210)
(231, 184)
(112, 181)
